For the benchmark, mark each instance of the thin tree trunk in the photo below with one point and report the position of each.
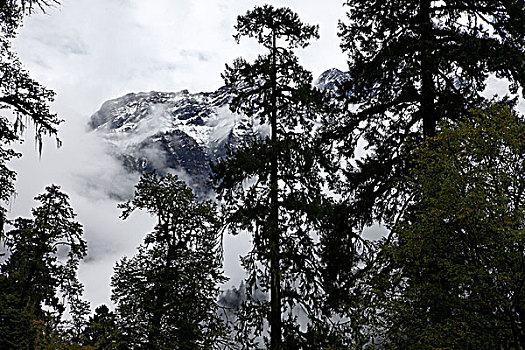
(154, 331)
(428, 113)
(275, 271)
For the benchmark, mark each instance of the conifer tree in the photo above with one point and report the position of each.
(412, 64)
(271, 186)
(21, 98)
(166, 294)
(102, 332)
(19, 94)
(40, 273)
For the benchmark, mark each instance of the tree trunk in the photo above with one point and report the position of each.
(427, 111)
(274, 235)
(154, 331)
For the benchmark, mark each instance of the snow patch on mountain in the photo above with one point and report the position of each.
(180, 131)
(331, 79)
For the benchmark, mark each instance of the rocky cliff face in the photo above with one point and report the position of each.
(179, 131)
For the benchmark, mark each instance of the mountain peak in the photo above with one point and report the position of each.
(180, 131)
(329, 79)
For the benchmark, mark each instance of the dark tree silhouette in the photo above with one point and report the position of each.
(412, 64)
(166, 294)
(101, 331)
(22, 99)
(453, 277)
(40, 273)
(271, 186)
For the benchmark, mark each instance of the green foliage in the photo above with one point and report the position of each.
(20, 96)
(102, 332)
(7, 179)
(166, 293)
(271, 186)
(454, 273)
(36, 278)
(411, 57)
(413, 64)
(17, 330)
(39, 273)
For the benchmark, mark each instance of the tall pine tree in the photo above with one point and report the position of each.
(453, 275)
(271, 186)
(166, 294)
(414, 63)
(101, 331)
(39, 277)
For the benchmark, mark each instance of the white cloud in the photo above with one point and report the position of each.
(92, 179)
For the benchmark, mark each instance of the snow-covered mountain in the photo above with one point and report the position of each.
(179, 131)
(330, 79)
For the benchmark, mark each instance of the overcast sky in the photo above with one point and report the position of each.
(89, 51)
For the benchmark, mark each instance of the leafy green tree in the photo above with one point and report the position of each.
(101, 331)
(271, 186)
(40, 272)
(166, 294)
(21, 98)
(454, 273)
(412, 64)
(17, 329)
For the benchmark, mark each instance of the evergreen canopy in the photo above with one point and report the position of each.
(21, 97)
(453, 275)
(412, 64)
(165, 294)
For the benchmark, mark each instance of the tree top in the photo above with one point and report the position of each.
(266, 22)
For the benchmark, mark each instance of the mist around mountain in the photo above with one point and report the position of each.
(181, 132)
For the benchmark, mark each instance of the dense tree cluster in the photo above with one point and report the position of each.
(443, 276)
(408, 141)
(38, 275)
(458, 252)
(412, 65)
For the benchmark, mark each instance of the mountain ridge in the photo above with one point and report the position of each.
(180, 131)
